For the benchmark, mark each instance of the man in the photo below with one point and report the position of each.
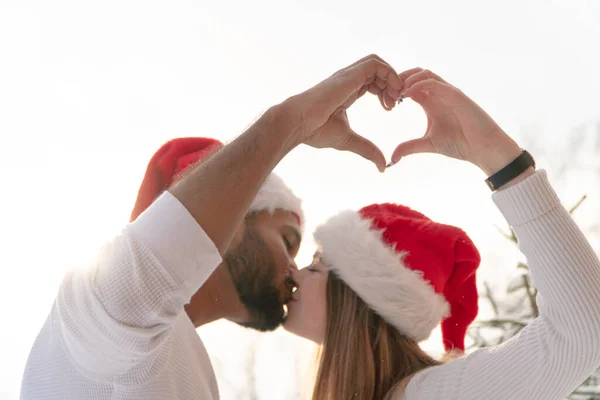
(118, 329)
(253, 282)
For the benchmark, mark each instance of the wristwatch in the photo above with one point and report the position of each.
(511, 171)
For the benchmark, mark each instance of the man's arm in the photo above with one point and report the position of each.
(116, 317)
(218, 193)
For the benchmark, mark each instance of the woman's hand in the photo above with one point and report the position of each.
(456, 126)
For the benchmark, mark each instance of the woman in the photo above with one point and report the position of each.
(385, 276)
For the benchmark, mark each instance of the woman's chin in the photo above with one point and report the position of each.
(288, 325)
(293, 328)
(292, 325)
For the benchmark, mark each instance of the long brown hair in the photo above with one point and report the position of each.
(362, 356)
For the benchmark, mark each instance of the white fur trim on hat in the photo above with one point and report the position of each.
(358, 255)
(275, 194)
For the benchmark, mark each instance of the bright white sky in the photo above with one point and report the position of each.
(89, 90)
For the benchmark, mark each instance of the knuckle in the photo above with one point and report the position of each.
(374, 61)
(413, 72)
(427, 83)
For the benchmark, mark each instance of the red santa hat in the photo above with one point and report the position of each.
(412, 271)
(178, 156)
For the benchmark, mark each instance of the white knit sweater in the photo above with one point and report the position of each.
(118, 330)
(555, 353)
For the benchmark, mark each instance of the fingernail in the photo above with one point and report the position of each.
(392, 163)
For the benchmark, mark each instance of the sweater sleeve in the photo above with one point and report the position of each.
(117, 314)
(555, 353)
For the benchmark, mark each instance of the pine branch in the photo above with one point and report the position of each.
(576, 206)
(513, 237)
(532, 302)
(490, 297)
(522, 266)
(499, 322)
(506, 235)
(478, 340)
(584, 392)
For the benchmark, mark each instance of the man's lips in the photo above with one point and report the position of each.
(290, 299)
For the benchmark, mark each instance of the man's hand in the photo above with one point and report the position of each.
(321, 110)
(218, 193)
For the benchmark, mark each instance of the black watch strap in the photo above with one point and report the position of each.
(511, 171)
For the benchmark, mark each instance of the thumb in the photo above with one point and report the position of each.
(422, 145)
(366, 149)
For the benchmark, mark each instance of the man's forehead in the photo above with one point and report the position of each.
(279, 216)
(278, 219)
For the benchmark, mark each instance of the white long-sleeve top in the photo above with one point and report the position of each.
(555, 353)
(118, 330)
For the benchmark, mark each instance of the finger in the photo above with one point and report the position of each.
(374, 89)
(342, 89)
(381, 97)
(385, 98)
(393, 93)
(415, 146)
(409, 72)
(380, 83)
(433, 86)
(369, 57)
(389, 100)
(422, 98)
(374, 68)
(366, 149)
(421, 76)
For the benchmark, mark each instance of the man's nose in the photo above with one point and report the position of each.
(295, 275)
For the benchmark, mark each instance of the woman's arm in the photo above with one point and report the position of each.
(555, 353)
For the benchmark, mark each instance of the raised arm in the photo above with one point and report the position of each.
(555, 353)
(117, 314)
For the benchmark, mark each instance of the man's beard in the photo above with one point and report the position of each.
(252, 268)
